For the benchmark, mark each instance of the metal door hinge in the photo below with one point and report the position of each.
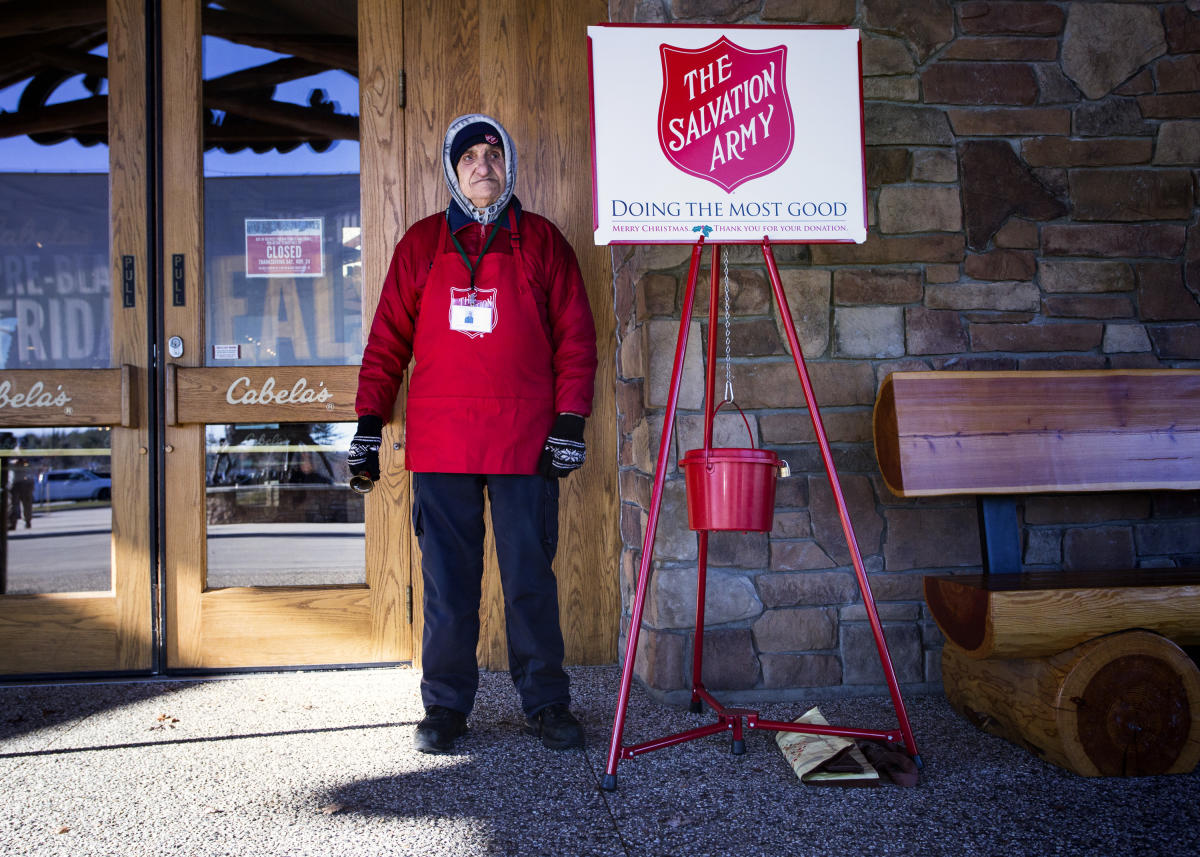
(408, 603)
(403, 89)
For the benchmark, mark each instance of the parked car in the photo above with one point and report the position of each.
(74, 484)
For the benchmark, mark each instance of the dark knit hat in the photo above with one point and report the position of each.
(470, 135)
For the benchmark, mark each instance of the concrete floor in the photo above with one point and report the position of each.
(320, 763)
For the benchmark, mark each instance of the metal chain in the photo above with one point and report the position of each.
(728, 360)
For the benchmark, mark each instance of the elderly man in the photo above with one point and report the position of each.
(488, 304)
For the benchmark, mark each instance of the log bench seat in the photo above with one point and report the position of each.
(1084, 669)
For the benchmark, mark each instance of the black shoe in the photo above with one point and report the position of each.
(437, 732)
(556, 726)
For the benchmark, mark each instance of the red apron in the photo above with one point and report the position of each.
(479, 400)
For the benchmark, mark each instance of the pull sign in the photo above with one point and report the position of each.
(178, 293)
(128, 281)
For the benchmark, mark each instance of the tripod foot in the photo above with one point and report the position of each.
(739, 747)
(609, 783)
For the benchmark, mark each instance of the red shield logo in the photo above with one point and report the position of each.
(725, 115)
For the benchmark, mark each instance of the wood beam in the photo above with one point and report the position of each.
(23, 17)
(268, 74)
(67, 117)
(315, 123)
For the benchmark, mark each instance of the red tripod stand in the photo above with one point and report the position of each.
(736, 720)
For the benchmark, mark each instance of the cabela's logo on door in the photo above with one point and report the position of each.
(243, 392)
(725, 115)
(37, 396)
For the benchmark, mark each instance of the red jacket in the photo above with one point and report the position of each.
(480, 401)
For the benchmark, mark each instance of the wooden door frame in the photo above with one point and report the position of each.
(107, 632)
(270, 626)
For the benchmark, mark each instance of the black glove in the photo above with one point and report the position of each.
(564, 450)
(363, 456)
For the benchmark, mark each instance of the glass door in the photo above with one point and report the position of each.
(75, 555)
(265, 544)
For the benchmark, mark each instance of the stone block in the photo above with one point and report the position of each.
(757, 337)
(661, 338)
(928, 538)
(1064, 152)
(1176, 342)
(1164, 241)
(935, 165)
(791, 524)
(996, 185)
(892, 88)
(798, 556)
(1098, 548)
(932, 331)
(887, 612)
(889, 250)
(864, 517)
(792, 493)
(631, 354)
(1060, 276)
(896, 586)
(876, 286)
(1183, 29)
(809, 11)
(749, 289)
(809, 588)
(988, 296)
(981, 83)
(1063, 362)
(795, 629)
(729, 660)
(1131, 194)
(795, 427)
(808, 297)
(1095, 60)
(1036, 337)
(1168, 537)
(884, 55)
(1002, 48)
(886, 165)
(942, 273)
(656, 295)
(1085, 508)
(1054, 87)
(636, 487)
(1178, 142)
(868, 331)
(1178, 74)
(1043, 547)
(1111, 117)
(1162, 295)
(1009, 121)
(1177, 106)
(662, 659)
(630, 404)
(799, 671)
(738, 550)
(672, 538)
(861, 663)
(1017, 234)
(1125, 338)
(903, 124)
(1140, 84)
(721, 11)
(1011, 17)
(1086, 306)
(728, 597)
(1001, 265)
(919, 208)
(926, 24)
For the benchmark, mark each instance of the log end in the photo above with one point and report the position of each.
(1131, 707)
(961, 612)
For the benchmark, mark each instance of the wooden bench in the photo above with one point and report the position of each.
(1052, 660)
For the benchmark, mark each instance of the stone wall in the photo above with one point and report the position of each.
(1032, 180)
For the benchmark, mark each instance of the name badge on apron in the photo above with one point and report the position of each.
(475, 314)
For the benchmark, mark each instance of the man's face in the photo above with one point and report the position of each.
(481, 174)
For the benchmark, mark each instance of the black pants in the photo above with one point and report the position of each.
(448, 520)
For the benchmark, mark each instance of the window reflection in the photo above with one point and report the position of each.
(57, 510)
(279, 507)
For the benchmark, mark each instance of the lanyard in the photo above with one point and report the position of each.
(466, 259)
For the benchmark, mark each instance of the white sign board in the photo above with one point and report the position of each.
(751, 131)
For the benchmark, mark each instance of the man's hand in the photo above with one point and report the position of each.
(363, 455)
(564, 450)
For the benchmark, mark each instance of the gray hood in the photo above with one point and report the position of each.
(490, 213)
